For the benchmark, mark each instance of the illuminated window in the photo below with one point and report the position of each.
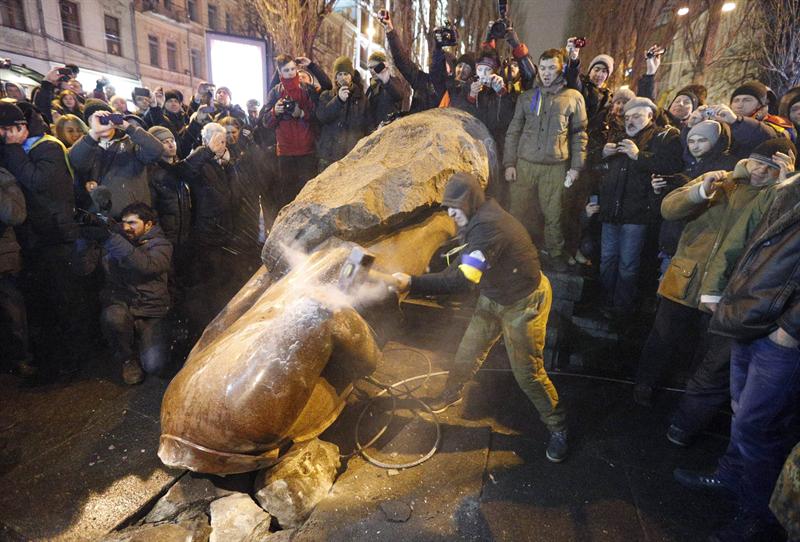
(71, 22)
(113, 42)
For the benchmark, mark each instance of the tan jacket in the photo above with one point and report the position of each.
(696, 264)
(549, 127)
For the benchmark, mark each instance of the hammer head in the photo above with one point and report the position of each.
(355, 269)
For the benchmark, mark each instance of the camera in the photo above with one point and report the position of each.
(379, 67)
(113, 118)
(709, 113)
(383, 15)
(88, 218)
(446, 35)
(501, 25)
(579, 43)
(64, 74)
(289, 106)
(655, 51)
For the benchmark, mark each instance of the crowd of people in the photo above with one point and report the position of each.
(148, 222)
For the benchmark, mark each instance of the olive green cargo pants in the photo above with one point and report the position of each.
(543, 183)
(523, 326)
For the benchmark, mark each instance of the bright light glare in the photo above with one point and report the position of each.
(728, 6)
(239, 66)
(683, 11)
(370, 32)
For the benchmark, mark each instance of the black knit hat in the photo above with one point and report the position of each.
(696, 93)
(36, 124)
(467, 58)
(756, 89)
(11, 115)
(763, 153)
(92, 106)
(173, 94)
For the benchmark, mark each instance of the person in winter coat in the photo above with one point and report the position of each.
(289, 110)
(592, 86)
(342, 114)
(43, 97)
(790, 108)
(167, 111)
(385, 92)
(169, 192)
(626, 206)
(708, 149)
(760, 312)
(39, 163)
(428, 86)
(499, 260)
(223, 102)
(544, 151)
(714, 204)
(115, 156)
(135, 297)
(13, 316)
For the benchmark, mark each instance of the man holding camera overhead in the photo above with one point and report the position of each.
(114, 154)
(289, 110)
(385, 93)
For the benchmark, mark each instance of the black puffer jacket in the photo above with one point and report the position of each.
(212, 198)
(763, 293)
(383, 101)
(45, 180)
(171, 200)
(135, 274)
(597, 99)
(625, 191)
(493, 109)
(718, 158)
(342, 123)
(12, 213)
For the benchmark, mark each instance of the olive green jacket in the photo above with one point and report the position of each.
(714, 236)
(549, 127)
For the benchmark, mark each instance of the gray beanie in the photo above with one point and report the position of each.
(161, 133)
(623, 94)
(710, 129)
(640, 102)
(603, 59)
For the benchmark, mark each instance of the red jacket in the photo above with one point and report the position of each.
(295, 137)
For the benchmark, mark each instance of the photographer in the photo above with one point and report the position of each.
(142, 99)
(289, 110)
(115, 154)
(39, 163)
(385, 93)
(135, 260)
(627, 208)
(53, 83)
(341, 114)
(428, 87)
(226, 108)
(592, 86)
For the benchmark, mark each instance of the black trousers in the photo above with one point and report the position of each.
(13, 322)
(134, 337)
(677, 327)
(293, 174)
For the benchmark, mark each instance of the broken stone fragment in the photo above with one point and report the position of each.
(195, 530)
(235, 517)
(396, 511)
(186, 494)
(291, 490)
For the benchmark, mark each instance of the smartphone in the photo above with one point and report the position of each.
(379, 67)
(141, 91)
(594, 199)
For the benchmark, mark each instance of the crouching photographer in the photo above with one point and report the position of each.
(135, 257)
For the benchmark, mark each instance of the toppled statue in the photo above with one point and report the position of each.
(276, 365)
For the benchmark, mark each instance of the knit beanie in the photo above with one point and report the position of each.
(377, 56)
(640, 102)
(463, 191)
(343, 64)
(488, 57)
(624, 94)
(757, 89)
(225, 89)
(161, 133)
(173, 94)
(763, 153)
(710, 129)
(606, 60)
(11, 115)
(92, 106)
(467, 58)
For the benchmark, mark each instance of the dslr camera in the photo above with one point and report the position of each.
(446, 35)
(579, 43)
(113, 118)
(289, 106)
(501, 25)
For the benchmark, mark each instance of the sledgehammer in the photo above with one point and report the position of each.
(357, 270)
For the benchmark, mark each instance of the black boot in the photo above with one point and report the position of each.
(703, 481)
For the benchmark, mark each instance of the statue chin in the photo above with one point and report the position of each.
(276, 365)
